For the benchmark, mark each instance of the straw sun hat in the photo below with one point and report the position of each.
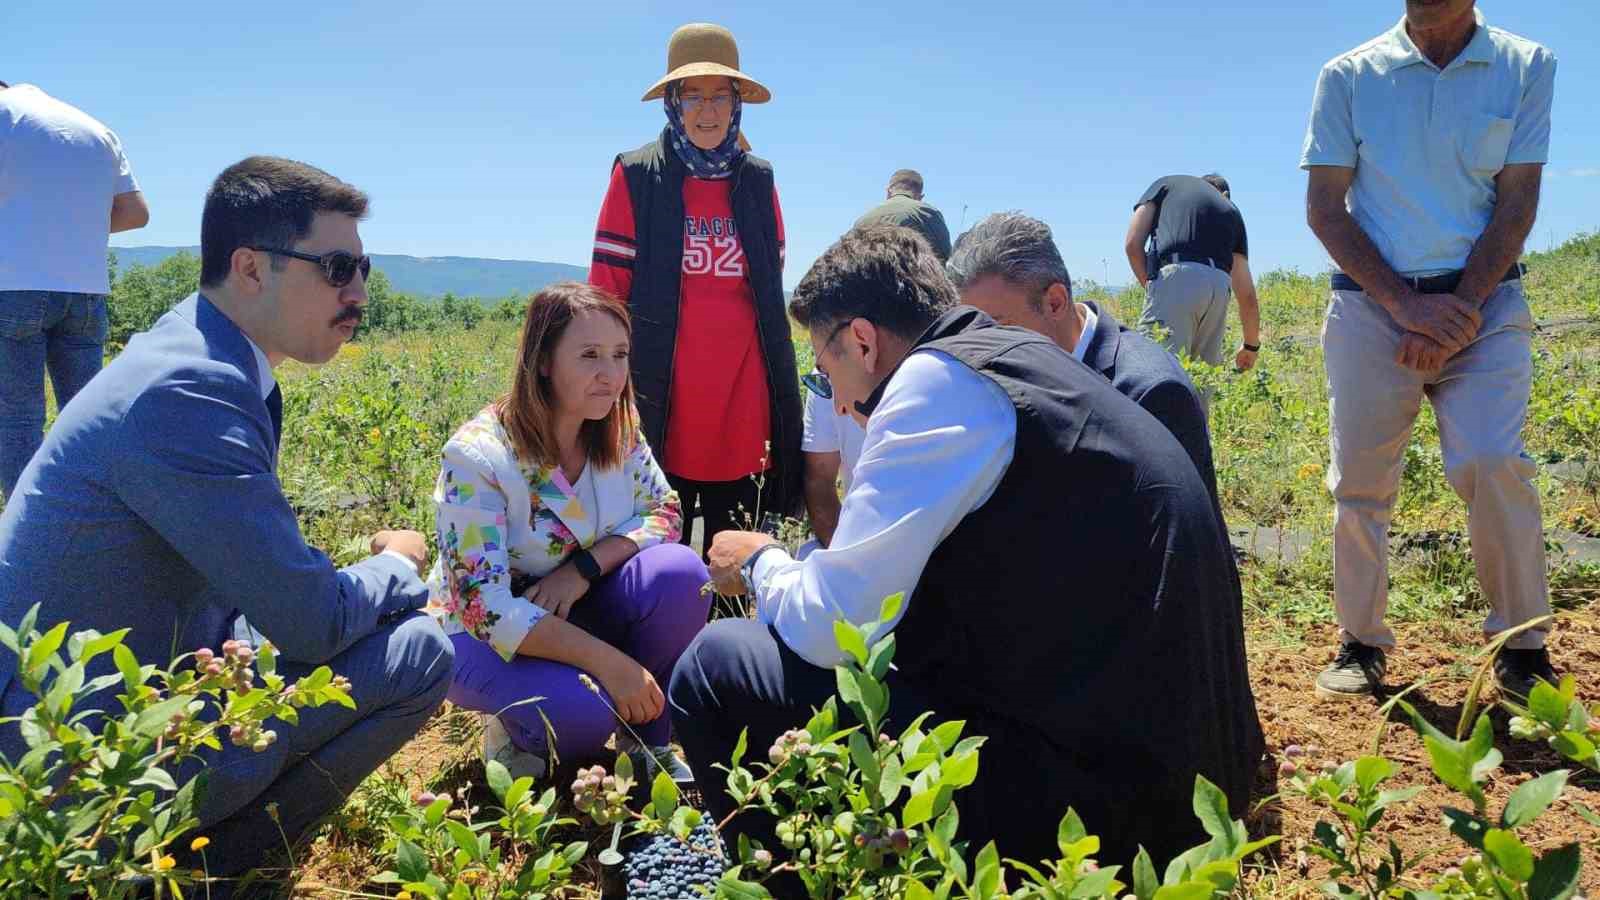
(704, 49)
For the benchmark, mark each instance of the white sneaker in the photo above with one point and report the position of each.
(497, 746)
(654, 759)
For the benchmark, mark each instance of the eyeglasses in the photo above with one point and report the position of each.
(816, 382)
(692, 102)
(338, 266)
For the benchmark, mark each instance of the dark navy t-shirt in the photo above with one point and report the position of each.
(1195, 220)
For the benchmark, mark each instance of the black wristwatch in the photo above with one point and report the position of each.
(748, 570)
(586, 565)
(1253, 348)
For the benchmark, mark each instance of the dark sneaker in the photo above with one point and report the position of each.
(1516, 671)
(1356, 672)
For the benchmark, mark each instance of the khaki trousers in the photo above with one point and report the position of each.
(1480, 400)
(1190, 300)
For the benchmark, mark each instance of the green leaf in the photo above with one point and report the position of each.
(1095, 885)
(738, 748)
(919, 808)
(1188, 890)
(1575, 747)
(98, 645)
(153, 720)
(156, 777)
(1466, 826)
(319, 678)
(850, 641)
(465, 839)
(861, 754)
(960, 771)
(624, 767)
(663, 795)
(881, 656)
(1509, 853)
(1223, 873)
(1532, 798)
(986, 875)
(128, 665)
(46, 646)
(915, 890)
(849, 690)
(59, 698)
(409, 861)
(1547, 705)
(1211, 806)
(732, 888)
(1555, 875)
(891, 607)
(1372, 769)
(499, 778)
(1070, 831)
(1145, 883)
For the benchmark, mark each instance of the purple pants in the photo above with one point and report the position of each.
(650, 609)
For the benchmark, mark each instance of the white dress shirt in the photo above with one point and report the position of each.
(1091, 320)
(936, 447)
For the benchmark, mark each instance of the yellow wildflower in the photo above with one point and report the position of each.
(375, 435)
(1309, 470)
(165, 863)
(403, 895)
(352, 350)
(199, 843)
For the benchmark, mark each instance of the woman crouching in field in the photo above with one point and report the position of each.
(558, 548)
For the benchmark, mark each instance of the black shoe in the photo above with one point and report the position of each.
(1356, 672)
(1518, 670)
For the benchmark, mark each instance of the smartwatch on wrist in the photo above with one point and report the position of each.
(586, 565)
(1253, 348)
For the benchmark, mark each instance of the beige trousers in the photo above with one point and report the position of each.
(1190, 300)
(1480, 399)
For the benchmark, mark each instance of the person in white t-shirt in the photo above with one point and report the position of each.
(831, 443)
(65, 186)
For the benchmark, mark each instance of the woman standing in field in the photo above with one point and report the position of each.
(691, 236)
(557, 553)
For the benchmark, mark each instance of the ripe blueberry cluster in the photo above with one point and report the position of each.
(664, 868)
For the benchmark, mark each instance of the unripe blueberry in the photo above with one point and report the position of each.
(244, 654)
(762, 858)
(229, 647)
(1288, 769)
(899, 840)
(214, 667)
(203, 656)
(1294, 751)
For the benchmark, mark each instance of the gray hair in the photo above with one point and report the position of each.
(1013, 246)
(906, 181)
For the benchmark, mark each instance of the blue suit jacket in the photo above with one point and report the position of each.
(154, 504)
(1144, 372)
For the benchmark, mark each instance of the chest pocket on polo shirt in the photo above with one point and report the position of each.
(1486, 144)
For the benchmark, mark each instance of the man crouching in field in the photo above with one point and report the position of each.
(1068, 586)
(154, 504)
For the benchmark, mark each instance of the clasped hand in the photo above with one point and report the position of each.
(557, 592)
(1440, 325)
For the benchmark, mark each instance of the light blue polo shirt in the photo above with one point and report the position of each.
(1427, 143)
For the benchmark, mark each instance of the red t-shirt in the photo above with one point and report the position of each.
(720, 417)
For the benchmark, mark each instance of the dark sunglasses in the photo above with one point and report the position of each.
(338, 266)
(818, 383)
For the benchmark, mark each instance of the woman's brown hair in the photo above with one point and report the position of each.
(528, 412)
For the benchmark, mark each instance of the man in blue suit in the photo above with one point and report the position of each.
(1008, 266)
(154, 504)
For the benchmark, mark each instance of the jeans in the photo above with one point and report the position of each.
(64, 333)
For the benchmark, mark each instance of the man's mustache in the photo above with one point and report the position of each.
(350, 314)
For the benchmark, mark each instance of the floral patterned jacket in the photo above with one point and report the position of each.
(498, 516)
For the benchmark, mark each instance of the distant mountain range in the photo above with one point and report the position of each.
(424, 276)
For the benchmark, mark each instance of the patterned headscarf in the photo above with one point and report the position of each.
(715, 163)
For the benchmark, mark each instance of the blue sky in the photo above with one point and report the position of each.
(487, 128)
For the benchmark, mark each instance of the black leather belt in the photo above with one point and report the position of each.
(1175, 258)
(1444, 283)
